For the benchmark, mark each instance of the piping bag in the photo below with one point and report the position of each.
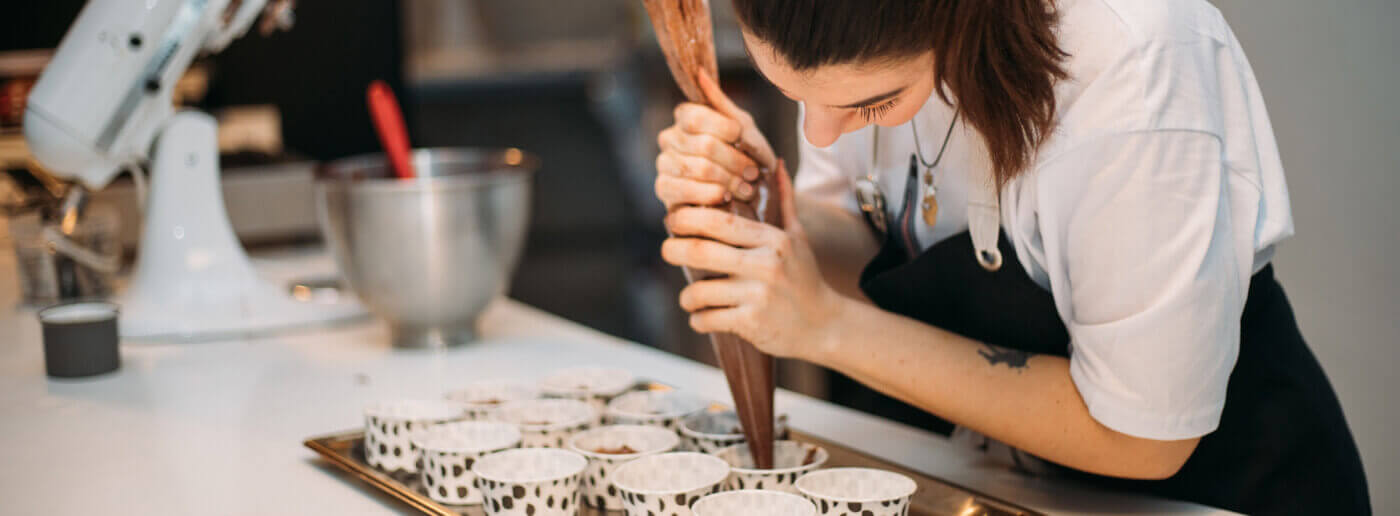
(684, 32)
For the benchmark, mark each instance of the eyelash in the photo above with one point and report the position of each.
(872, 113)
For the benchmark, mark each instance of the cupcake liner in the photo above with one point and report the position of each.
(712, 430)
(546, 423)
(530, 482)
(656, 408)
(389, 427)
(478, 399)
(754, 503)
(858, 491)
(788, 457)
(602, 446)
(593, 385)
(450, 450)
(668, 483)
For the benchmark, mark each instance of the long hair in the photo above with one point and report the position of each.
(997, 60)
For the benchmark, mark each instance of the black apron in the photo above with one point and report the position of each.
(1282, 446)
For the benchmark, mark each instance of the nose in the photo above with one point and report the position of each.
(822, 126)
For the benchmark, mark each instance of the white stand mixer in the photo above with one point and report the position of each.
(103, 105)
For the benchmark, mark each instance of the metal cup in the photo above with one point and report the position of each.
(429, 253)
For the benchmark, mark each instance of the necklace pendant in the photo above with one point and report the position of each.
(930, 209)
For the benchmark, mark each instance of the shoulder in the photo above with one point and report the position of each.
(1141, 65)
(1162, 21)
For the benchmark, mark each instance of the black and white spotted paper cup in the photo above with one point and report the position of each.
(656, 408)
(546, 423)
(864, 491)
(608, 447)
(716, 428)
(791, 460)
(450, 450)
(668, 483)
(480, 398)
(593, 385)
(530, 482)
(389, 427)
(752, 502)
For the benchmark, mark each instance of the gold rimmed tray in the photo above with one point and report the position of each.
(934, 497)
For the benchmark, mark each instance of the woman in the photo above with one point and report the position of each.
(1071, 210)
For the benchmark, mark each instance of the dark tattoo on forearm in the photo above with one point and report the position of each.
(1013, 358)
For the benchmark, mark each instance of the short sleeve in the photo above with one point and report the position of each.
(1149, 275)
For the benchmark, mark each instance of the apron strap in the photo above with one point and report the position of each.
(983, 208)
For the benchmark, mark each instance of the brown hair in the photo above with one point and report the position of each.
(998, 59)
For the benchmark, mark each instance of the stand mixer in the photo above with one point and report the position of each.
(103, 106)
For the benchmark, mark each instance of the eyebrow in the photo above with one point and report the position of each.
(863, 103)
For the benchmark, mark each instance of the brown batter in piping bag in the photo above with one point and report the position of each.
(684, 32)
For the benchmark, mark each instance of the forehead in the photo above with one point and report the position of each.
(830, 85)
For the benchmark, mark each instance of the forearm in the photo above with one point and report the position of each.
(841, 241)
(1025, 400)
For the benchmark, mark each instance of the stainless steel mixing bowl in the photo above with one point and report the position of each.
(427, 254)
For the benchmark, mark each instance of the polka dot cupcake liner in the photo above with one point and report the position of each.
(753, 503)
(593, 385)
(664, 409)
(862, 491)
(712, 430)
(479, 399)
(546, 423)
(668, 483)
(389, 427)
(450, 450)
(791, 460)
(607, 448)
(530, 482)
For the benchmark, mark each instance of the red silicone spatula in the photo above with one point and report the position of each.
(388, 123)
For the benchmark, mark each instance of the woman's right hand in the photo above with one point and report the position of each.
(701, 161)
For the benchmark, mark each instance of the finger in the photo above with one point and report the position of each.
(750, 140)
(697, 119)
(675, 191)
(707, 146)
(690, 167)
(722, 226)
(714, 256)
(718, 320)
(717, 293)
(716, 97)
(701, 169)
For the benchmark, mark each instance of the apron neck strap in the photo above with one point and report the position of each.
(983, 206)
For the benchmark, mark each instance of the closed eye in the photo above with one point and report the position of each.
(877, 111)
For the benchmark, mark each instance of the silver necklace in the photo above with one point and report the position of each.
(929, 204)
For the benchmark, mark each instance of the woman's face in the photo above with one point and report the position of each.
(842, 98)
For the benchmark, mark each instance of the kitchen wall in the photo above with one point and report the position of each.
(1330, 72)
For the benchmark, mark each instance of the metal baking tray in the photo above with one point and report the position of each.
(935, 497)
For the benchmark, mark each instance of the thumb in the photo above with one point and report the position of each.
(787, 200)
(717, 99)
(751, 141)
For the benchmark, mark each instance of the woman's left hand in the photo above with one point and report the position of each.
(774, 297)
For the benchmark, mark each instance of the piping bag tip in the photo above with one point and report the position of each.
(751, 375)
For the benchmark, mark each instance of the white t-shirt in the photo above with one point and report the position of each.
(1145, 214)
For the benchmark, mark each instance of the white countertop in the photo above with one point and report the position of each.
(217, 427)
